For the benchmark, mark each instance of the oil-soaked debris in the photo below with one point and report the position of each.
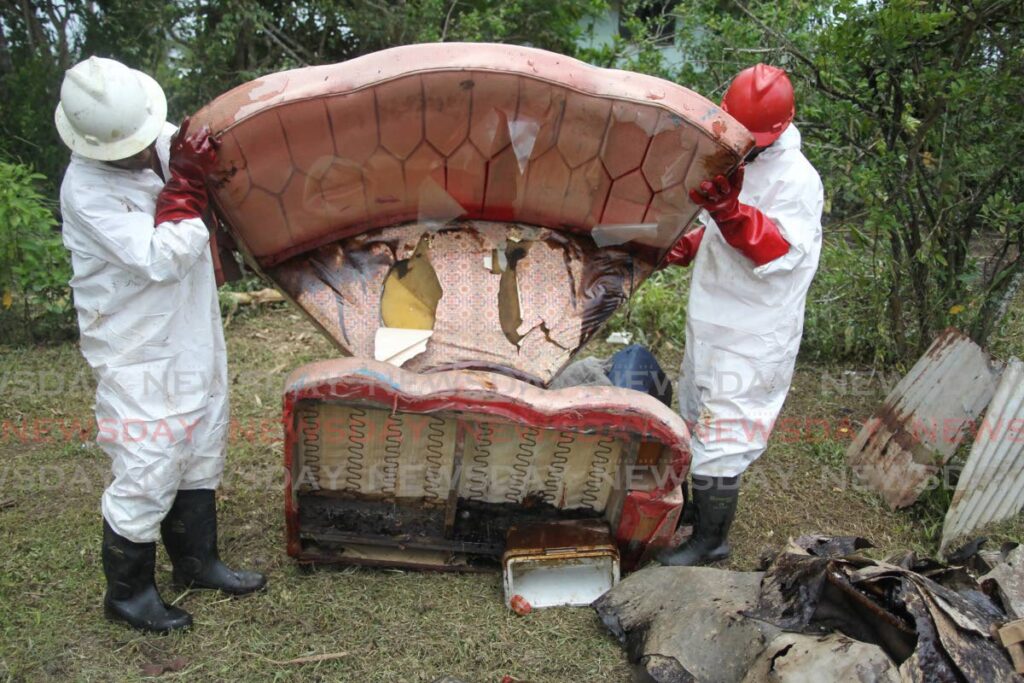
(820, 611)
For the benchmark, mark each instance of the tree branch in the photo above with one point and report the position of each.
(800, 56)
(280, 43)
(447, 21)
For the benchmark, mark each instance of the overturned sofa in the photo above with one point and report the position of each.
(460, 219)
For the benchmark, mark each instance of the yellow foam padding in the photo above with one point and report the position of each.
(411, 293)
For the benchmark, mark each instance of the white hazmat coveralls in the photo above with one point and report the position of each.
(151, 330)
(744, 322)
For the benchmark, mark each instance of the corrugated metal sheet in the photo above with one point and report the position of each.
(923, 419)
(991, 487)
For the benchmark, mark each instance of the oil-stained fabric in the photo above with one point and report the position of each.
(744, 322)
(151, 331)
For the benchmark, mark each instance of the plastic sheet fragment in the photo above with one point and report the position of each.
(614, 235)
(436, 205)
(523, 134)
(396, 346)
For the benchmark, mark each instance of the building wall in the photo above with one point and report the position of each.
(600, 32)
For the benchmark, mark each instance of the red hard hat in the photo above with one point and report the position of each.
(761, 98)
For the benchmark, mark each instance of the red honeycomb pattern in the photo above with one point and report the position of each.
(471, 144)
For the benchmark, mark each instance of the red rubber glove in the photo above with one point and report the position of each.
(685, 250)
(745, 228)
(193, 157)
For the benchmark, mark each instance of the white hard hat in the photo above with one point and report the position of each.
(108, 111)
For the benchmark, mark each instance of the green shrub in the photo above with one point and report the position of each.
(656, 314)
(841, 321)
(838, 324)
(35, 301)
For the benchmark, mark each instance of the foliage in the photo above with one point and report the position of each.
(656, 314)
(850, 285)
(231, 42)
(198, 50)
(835, 322)
(918, 100)
(34, 297)
(1008, 340)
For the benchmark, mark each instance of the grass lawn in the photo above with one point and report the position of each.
(390, 625)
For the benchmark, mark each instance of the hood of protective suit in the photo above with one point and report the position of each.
(790, 139)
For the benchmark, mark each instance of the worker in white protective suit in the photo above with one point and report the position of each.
(755, 258)
(146, 298)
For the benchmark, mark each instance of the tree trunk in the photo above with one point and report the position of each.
(995, 306)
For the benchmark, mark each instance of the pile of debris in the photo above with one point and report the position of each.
(823, 611)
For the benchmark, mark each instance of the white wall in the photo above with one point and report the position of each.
(601, 31)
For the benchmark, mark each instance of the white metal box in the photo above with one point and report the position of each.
(564, 563)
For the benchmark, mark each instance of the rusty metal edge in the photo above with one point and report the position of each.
(991, 486)
(888, 452)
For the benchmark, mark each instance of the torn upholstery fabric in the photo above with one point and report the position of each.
(511, 297)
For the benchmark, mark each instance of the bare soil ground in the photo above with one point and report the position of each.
(389, 625)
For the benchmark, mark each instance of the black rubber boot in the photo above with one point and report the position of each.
(190, 534)
(714, 502)
(132, 596)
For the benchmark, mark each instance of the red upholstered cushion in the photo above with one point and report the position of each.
(433, 132)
